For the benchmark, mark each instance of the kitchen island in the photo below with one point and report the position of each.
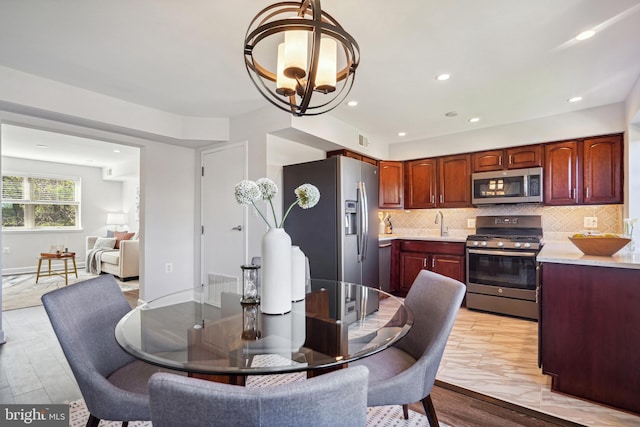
(590, 324)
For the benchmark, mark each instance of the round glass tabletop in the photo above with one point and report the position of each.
(202, 331)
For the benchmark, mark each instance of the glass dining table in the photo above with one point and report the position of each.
(212, 335)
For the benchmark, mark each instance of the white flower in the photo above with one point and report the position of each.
(268, 188)
(247, 192)
(308, 196)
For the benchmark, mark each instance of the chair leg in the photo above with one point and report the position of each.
(405, 411)
(93, 421)
(125, 423)
(430, 411)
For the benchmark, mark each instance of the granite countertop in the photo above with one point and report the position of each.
(428, 235)
(564, 252)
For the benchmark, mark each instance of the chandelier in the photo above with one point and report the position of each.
(316, 57)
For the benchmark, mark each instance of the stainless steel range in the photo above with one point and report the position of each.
(502, 270)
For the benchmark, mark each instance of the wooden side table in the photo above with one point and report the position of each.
(61, 256)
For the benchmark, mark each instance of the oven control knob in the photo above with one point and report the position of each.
(527, 245)
(500, 244)
(516, 245)
(484, 243)
(475, 243)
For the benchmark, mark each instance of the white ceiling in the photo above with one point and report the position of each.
(510, 60)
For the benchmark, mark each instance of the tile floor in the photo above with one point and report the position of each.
(498, 356)
(490, 354)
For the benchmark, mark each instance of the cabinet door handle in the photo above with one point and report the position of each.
(424, 263)
(433, 263)
(587, 191)
(442, 198)
(433, 198)
(573, 193)
(500, 160)
(510, 159)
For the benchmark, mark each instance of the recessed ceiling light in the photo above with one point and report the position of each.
(402, 134)
(116, 151)
(575, 99)
(442, 77)
(41, 146)
(474, 119)
(451, 114)
(352, 103)
(585, 35)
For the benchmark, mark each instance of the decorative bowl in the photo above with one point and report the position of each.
(599, 245)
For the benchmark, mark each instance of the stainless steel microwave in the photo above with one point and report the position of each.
(507, 186)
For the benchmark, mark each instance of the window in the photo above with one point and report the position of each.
(32, 202)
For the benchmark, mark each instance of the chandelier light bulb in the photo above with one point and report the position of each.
(284, 85)
(295, 54)
(326, 76)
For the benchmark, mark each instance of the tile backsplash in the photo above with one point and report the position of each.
(556, 220)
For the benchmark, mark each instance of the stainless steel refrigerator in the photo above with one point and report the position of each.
(340, 234)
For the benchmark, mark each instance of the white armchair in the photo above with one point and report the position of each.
(123, 262)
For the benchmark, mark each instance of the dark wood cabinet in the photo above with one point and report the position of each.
(602, 170)
(454, 181)
(353, 155)
(391, 185)
(561, 173)
(443, 182)
(590, 332)
(420, 183)
(527, 156)
(412, 256)
(587, 171)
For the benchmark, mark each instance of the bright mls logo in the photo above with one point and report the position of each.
(34, 415)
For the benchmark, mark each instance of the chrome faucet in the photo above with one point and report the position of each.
(443, 232)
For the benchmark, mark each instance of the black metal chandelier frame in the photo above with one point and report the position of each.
(307, 16)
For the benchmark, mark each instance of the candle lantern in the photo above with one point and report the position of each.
(250, 284)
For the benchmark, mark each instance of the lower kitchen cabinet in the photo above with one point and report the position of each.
(411, 256)
(590, 332)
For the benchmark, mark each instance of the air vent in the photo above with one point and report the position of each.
(363, 141)
(109, 172)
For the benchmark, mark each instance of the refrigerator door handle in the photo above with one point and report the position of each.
(363, 232)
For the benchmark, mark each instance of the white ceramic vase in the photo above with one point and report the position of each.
(275, 286)
(298, 276)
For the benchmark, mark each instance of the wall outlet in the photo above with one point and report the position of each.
(471, 223)
(6, 250)
(168, 267)
(590, 222)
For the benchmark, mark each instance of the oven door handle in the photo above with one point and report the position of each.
(501, 253)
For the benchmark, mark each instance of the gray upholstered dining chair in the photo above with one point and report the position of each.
(405, 372)
(113, 383)
(335, 399)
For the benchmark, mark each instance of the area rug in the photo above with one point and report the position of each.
(379, 416)
(21, 290)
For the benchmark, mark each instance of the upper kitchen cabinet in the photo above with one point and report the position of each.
(443, 182)
(454, 181)
(561, 173)
(391, 187)
(585, 171)
(420, 183)
(509, 158)
(602, 170)
(353, 155)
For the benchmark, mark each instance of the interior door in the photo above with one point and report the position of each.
(223, 219)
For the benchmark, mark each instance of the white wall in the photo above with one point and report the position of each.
(594, 121)
(282, 152)
(97, 198)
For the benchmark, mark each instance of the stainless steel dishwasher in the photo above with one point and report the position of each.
(384, 265)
